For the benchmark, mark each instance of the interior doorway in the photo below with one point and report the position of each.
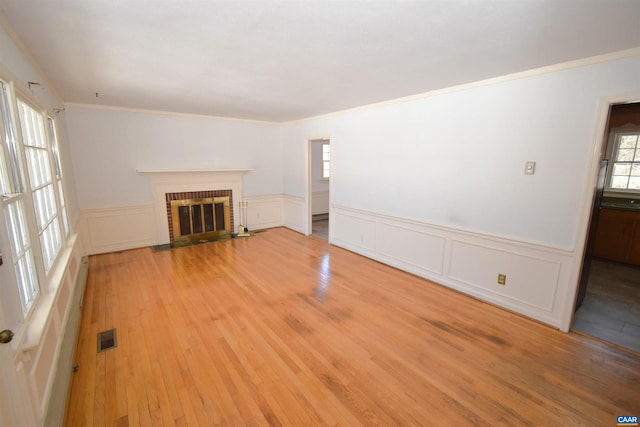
(608, 300)
(319, 186)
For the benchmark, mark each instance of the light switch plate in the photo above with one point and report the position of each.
(529, 168)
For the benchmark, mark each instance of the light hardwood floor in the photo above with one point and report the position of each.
(283, 329)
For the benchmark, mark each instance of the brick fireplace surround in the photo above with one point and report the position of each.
(198, 181)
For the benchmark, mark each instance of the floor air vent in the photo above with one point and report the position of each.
(107, 340)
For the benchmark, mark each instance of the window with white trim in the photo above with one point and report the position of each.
(326, 160)
(12, 184)
(43, 190)
(625, 166)
(32, 192)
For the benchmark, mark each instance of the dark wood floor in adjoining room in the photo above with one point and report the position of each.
(283, 329)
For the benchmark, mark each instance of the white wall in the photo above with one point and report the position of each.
(109, 145)
(454, 161)
(457, 159)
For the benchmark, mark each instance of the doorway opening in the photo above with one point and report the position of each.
(319, 186)
(608, 303)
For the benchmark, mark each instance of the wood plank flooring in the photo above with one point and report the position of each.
(282, 329)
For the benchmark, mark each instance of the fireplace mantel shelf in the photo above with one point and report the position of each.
(191, 170)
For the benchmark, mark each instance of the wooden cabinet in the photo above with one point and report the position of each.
(618, 236)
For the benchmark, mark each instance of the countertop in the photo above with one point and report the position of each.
(620, 203)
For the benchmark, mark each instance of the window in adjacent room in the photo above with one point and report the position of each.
(625, 167)
(326, 160)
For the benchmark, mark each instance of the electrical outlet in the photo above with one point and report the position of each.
(502, 279)
(529, 168)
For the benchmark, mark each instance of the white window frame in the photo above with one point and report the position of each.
(326, 161)
(614, 145)
(14, 199)
(40, 169)
(23, 207)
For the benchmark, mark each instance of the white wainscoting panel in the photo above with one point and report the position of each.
(264, 211)
(537, 275)
(42, 373)
(319, 202)
(40, 345)
(529, 280)
(68, 334)
(128, 227)
(115, 229)
(425, 254)
(356, 231)
(294, 213)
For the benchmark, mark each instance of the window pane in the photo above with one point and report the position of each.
(635, 170)
(622, 169)
(51, 242)
(39, 169)
(45, 204)
(326, 170)
(628, 141)
(619, 182)
(27, 280)
(63, 209)
(32, 126)
(636, 158)
(625, 155)
(54, 147)
(17, 228)
(22, 254)
(634, 183)
(326, 160)
(12, 176)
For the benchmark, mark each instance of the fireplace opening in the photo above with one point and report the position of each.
(202, 216)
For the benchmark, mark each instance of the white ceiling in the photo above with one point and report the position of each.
(284, 60)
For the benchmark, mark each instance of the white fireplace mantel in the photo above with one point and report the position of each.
(174, 171)
(165, 181)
